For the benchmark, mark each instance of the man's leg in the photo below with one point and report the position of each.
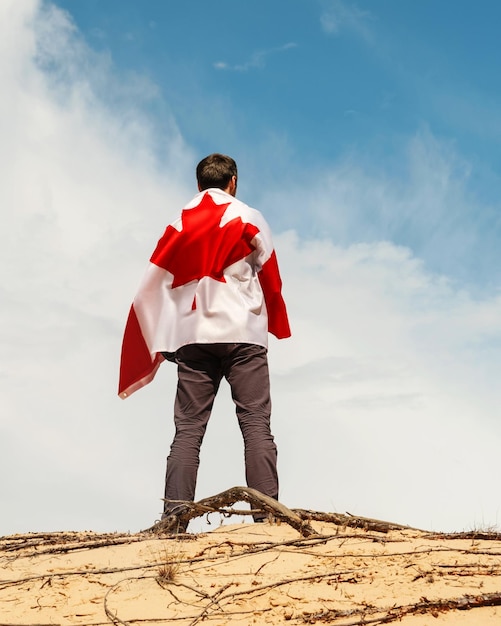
(199, 375)
(246, 369)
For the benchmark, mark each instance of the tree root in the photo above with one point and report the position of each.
(185, 511)
(352, 521)
(433, 607)
(299, 519)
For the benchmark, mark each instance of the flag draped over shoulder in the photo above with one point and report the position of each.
(213, 278)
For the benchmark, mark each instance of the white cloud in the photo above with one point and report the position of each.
(386, 398)
(340, 15)
(257, 60)
(387, 392)
(83, 197)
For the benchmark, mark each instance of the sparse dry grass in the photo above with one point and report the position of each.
(170, 565)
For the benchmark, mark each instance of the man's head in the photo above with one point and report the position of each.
(217, 170)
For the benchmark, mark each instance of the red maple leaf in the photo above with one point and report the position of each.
(203, 247)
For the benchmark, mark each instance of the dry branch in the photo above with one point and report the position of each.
(112, 617)
(473, 535)
(435, 607)
(56, 543)
(352, 521)
(257, 500)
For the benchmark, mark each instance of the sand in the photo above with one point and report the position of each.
(252, 574)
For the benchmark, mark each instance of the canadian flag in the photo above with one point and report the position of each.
(213, 278)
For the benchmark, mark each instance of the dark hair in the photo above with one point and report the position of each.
(216, 170)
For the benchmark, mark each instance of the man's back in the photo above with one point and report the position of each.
(213, 278)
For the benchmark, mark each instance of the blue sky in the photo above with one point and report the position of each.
(304, 67)
(368, 134)
(293, 88)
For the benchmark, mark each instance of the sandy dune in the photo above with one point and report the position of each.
(252, 574)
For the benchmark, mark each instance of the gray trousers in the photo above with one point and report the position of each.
(200, 370)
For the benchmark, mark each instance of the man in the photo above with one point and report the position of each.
(210, 296)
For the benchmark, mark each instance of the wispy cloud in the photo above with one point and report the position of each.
(257, 60)
(342, 15)
(420, 197)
